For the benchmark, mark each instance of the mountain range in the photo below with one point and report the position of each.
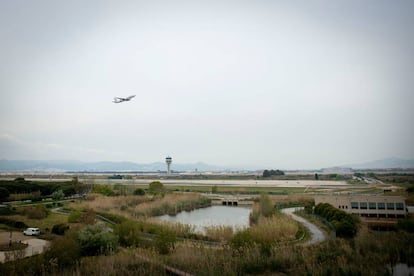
(107, 166)
(389, 163)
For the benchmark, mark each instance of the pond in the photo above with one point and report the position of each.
(237, 217)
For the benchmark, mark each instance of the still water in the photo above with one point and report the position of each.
(237, 217)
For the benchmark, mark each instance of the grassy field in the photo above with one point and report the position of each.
(45, 224)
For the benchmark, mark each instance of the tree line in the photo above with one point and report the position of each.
(270, 173)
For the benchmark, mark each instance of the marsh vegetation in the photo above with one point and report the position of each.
(133, 242)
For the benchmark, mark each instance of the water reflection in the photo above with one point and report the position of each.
(237, 217)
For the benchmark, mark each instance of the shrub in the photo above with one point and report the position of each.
(64, 251)
(345, 224)
(4, 194)
(13, 223)
(139, 192)
(242, 239)
(59, 229)
(58, 195)
(165, 241)
(406, 225)
(266, 207)
(128, 233)
(97, 239)
(156, 187)
(103, 190)
(36, 212)
(75, 217)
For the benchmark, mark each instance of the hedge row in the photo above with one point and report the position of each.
(346, 225)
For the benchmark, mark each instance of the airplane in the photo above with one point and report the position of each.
(120, 100)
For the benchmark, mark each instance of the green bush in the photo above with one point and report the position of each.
(128, 233)
(156, 187)
(36, 212)
(64, 251)
(58, 195)
(97, 239)
(4, 194)
(75, 217)
(242, 239)
(60, 229)
(139, 192)
(103, 190)
(406, 225)
(346, 225)
(13, 223)
(165, 241)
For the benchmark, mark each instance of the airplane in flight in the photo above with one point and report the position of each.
(120, 100)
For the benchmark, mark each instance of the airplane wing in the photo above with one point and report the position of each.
(130, 97)
(118, 100)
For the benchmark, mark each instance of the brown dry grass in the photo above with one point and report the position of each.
(275, 229)
(131, 206)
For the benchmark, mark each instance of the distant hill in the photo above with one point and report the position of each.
(71, 165)
(390, 163)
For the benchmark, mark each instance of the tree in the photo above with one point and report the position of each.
(4, 194)
(266, 173)
(58, 195)
(156, 187)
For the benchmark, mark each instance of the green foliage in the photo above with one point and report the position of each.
(165, 241)
(57, 195)
(60, 229)
(346, 225)
(214, 189)
(139, 192)
(4, 193)
(128, 233)
(156, 187)
(112, 217)
(406, 225)
(103, 190)
(242, 239)
(265, 206)
(269, 173)
(97, 239)
(6, 210)
(13, 223)
(38, 189)
(64, 251)
(75, 217)
(120, 189)
(36, 212)
(410, 189)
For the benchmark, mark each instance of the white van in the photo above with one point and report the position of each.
(31, 231)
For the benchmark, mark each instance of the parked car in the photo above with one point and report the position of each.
(31, 231)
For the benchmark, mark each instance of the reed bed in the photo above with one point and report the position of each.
(277, 228)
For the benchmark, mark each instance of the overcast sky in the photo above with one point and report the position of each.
(276, 84)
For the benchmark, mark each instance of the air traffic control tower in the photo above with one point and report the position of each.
(168, 160)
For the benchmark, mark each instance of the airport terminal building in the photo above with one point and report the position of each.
(379, 206)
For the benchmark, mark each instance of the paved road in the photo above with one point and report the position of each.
(35, 246)
(316, 234)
